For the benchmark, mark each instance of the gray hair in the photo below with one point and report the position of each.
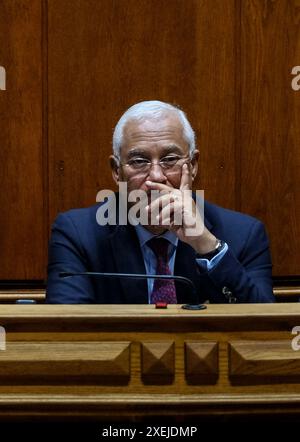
(151, 109)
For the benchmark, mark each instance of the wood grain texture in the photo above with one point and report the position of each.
(201, 362)
(23, 219)
(158, 362)
(127, 51)
(61, 362)
(263, 361)
(216, 100)
(74, 67)
(112, 63)
(270, 154)
(82, 339)
(117, 313)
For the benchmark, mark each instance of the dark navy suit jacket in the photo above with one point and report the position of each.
(79, 244)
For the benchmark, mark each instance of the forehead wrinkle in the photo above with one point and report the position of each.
(147, 135)
(172, 147)
(154, 135)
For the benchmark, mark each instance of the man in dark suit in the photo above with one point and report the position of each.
(226, 255)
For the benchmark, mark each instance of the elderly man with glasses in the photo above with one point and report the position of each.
(226, 256)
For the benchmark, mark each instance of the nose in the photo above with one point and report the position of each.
(156, 174)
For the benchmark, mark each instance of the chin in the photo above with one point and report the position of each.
(157, 230)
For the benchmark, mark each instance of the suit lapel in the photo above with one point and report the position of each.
(129, 259)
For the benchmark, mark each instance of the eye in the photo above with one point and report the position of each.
(170, 160)
(138, 162)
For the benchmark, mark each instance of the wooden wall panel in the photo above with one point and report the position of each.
(216, 99)
(74, 66)
(270, 125)
(107, 55)
(23, 220)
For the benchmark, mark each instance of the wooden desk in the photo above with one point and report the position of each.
(99, 361)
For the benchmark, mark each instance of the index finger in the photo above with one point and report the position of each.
(185, 178)
(158, 186)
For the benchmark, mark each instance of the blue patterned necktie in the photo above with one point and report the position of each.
(163, 289)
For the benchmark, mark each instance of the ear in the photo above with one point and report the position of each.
(114, 165)
(194, 164)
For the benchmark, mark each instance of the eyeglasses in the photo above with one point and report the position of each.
(169, 163)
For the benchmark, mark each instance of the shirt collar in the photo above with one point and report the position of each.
(144, 235)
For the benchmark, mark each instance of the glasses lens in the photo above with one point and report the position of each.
(171, 164)
(139, 164)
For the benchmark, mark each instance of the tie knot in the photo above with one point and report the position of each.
(159, 246)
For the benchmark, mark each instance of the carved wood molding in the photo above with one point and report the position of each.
(158, 362)
(263, 361)
(201, 362)
(35, 362)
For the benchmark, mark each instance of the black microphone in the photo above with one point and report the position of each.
(181, 279)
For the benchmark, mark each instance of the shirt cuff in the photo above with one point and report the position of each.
(207, 265)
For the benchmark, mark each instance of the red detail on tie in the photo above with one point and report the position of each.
(163, 289)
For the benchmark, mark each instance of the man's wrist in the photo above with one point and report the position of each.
(206, 243)
(218, 247)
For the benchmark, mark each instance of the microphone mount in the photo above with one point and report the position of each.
(181, 279)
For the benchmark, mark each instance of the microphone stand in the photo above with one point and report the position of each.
(140, 276)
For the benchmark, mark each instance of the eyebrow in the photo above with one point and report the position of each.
(172, 148)
(135, 152)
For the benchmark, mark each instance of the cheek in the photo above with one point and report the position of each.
(133, 183)
(136, 183)
(174, 181)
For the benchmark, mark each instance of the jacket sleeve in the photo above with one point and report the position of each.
(67, 254)
(243, 278)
